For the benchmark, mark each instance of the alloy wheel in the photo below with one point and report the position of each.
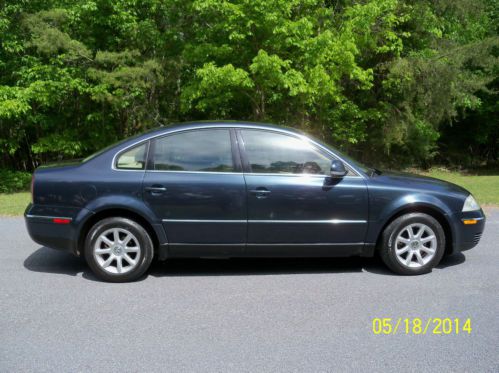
(117, 251)
(415, 245)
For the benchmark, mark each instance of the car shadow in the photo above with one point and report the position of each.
(376, 266)
(255, 266)
(58, 262)
(452, 260)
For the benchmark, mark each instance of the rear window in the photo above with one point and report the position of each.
(133, 159)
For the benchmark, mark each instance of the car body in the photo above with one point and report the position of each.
(238, 189)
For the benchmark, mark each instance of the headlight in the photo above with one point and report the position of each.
(470, 204)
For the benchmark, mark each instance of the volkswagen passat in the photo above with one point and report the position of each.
(226, 190)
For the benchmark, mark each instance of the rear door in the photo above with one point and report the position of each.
(195, 185)
(294, 206)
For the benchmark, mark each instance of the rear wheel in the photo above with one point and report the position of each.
(413, 244)
(118, 249)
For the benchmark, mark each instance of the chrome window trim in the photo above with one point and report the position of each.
(331, 221)
(198, 172)
(283, 174)
(296, 175)
(244, 173)
(236, 126)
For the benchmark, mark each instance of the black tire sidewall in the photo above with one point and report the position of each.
(391, 232)
(137, 230)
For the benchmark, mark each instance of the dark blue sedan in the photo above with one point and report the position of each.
(232, 189)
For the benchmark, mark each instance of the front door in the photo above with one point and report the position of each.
(294, 206)
(195, 186)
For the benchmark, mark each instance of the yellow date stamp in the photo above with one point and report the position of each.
(420, 326)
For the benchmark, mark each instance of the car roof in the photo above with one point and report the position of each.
(174, 127)
(216, 124)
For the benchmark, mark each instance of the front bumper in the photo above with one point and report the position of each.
(468, 236)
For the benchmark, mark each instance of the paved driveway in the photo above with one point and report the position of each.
(243, 315)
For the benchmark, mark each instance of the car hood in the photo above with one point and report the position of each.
(418, 182)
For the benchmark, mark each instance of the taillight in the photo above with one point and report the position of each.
(61, 220)
(32, 189)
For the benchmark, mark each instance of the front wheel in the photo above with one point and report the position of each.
(118, 249)
(413, 244)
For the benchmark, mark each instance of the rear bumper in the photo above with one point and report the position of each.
(56, 231)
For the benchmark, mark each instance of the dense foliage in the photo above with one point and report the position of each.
(13, 181)
(392, 81)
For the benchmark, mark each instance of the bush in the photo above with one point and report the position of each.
(14, 181)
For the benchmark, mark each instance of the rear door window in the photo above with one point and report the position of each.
(201, 150)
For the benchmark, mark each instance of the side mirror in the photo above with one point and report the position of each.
(338, 168)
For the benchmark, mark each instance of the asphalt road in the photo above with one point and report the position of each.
(243, 315)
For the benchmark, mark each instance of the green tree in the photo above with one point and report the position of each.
(393, 81)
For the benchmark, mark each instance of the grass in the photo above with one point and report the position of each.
(14, 204)
(485, 188)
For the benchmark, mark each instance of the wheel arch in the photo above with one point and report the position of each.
(116, 212)
(433, 211)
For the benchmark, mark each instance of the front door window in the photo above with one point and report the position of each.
(275, 153)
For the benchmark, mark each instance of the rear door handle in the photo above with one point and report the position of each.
(155, 189)
(260, 192)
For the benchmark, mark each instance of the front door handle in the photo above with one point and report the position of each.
(155, 190)
(260, 192)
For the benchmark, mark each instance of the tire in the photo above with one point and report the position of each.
(118, 249)
(407, 254)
